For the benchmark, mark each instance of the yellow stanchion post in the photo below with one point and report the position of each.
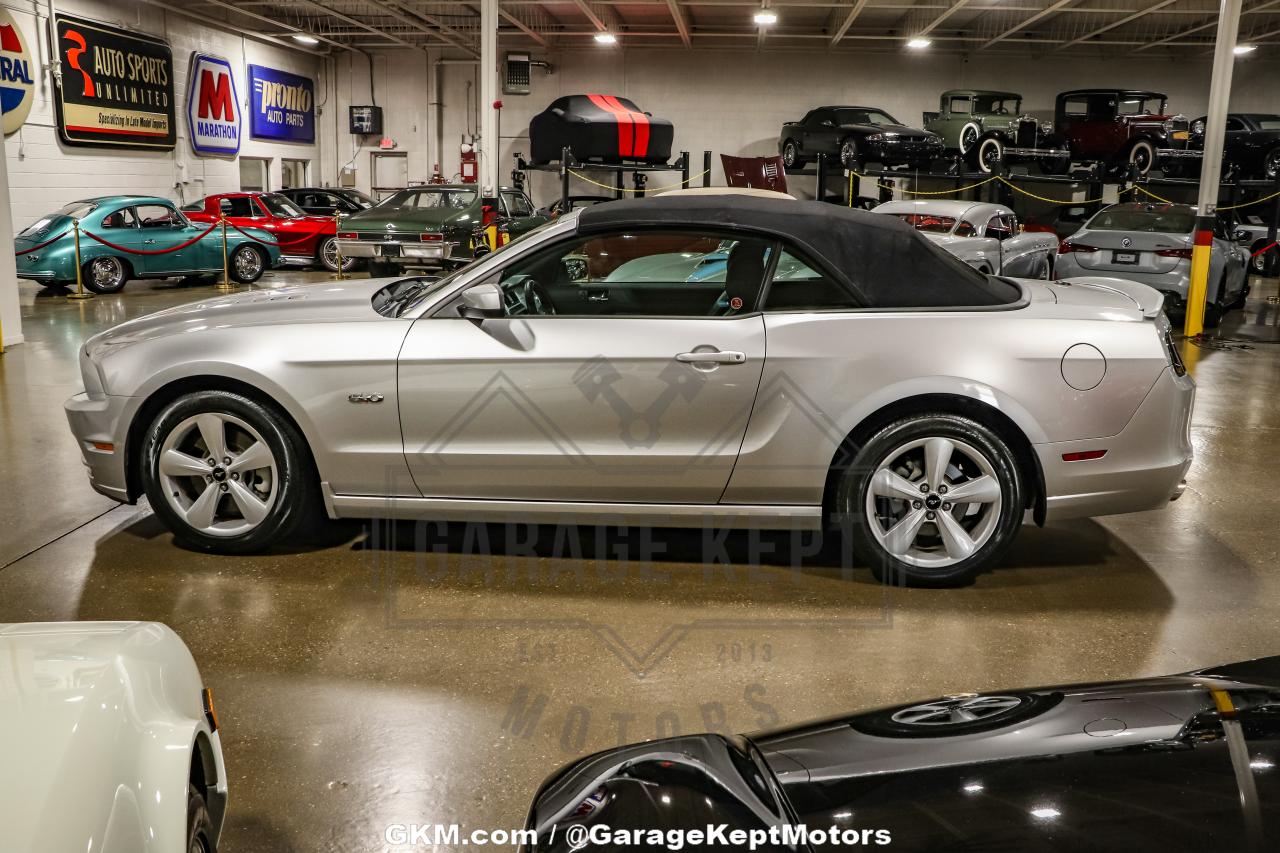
(1198, 290)
(226, 268)
(80, 291)
(337, 223)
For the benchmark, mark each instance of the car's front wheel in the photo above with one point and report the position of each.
(199, 825)
(248, 263)
(226, 473)
(850, 158)
(791, 158)
(328, 255)
(105, 274)
(931, 500)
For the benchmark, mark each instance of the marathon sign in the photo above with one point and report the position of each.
(117, 86)
(282, 105)
(213, 110)
(17, 86)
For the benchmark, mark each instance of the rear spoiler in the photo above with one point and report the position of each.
(1146, 299)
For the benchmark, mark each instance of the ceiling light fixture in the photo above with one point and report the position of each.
(303, 38)
(918, 43)
(606, 38)
(765, 17)
(1242, 49)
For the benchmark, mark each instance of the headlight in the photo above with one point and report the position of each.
(876, 137)
(1046, 126)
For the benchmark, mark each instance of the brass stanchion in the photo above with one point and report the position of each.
(226, 273)
(80, 291)
(337, 223)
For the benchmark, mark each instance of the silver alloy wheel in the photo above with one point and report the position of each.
(218, 473)
(1259, 262)
(248, 263)
(956, 710)
(933, 502)
(329, 255)
(107, 272)
(849, 154)
(789, 154)
(1272, 165)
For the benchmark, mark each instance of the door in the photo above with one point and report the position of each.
(390, 173)
(162, 227)
(642, 396)
(521, 213)
(820, 133)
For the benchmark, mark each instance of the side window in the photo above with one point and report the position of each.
(156, 216)
(257, 208)
(640, 274)
(235, 206)
(965, 229)
(1234, 123)
(960, 106)
(798, 286)
(1076, 107)
(120, 219)
(517, 204)
(823, 117)
(1000, 227)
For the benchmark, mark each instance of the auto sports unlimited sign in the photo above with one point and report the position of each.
(17, 87)
(117, 86)
(213, 110)
(282, 105)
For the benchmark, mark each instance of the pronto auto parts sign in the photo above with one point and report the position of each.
(213, 110)
(17, 87)
(117, 86)
(282, 105)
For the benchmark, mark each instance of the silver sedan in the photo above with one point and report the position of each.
(830, 366)
(1152, 244)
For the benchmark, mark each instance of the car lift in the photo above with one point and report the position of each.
(639, 173)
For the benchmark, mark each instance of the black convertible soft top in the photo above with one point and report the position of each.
(886, 262)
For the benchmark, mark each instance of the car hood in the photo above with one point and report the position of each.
(335, 302)
(1097, 292)
(378, 219)
(76, 699)
(898, 130)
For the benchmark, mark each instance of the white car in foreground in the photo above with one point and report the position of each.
(108, 742)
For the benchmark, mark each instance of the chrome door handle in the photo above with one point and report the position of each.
(712, 357)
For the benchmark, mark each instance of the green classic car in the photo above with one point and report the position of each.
(430, 226)
(988, 128)
(126, 237)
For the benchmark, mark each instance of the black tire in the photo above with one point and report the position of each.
(1043, 270)
(1056, 165)
(1241, 298)
(247, 263)
(795, 161)
(1213, 313)
(850, 158)
(93, 274)
(295, 502)
(968, 137)
(199, 825)
(988, 154)
(326, 256)
(1258, 258)
(1271, 164)
(382, 269)
(853, 485)
(1014, 707)
(1141, 153)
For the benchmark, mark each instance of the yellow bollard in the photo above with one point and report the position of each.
(226, 272)
(337, 223)
(80, 291)
(1198, 289)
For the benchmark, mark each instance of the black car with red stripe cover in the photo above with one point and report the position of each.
(599, 129)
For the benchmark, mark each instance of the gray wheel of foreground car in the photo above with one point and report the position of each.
(227, 474)
(930, 500)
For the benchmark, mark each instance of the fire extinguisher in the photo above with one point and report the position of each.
(469, 169)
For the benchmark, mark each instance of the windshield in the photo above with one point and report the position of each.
(358, 198)
(417, 199)
(864, 117)
(927, 222)
(1136, 105)
(278, 205)
(1152, 220)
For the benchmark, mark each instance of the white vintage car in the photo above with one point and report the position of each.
(985, 236)
(108, 742)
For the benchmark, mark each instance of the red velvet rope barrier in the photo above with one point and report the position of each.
(126, 249)
(42, 245)
(1263, 249)
(272, 242)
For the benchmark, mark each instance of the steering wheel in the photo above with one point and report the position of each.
(525, 296)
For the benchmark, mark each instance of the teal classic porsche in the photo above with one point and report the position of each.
(128, 237)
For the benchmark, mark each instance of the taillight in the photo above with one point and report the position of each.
(348, 235)
(1083, 455)
(1066, 247)
(1185, 254)
(430, 238)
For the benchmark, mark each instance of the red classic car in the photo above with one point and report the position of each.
(304, 240)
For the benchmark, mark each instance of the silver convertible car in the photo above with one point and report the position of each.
(924, 407)
(985, 236)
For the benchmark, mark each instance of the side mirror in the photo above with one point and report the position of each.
(482, 302)
(1242, 236)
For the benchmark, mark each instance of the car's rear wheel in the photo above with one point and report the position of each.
(105, 274)
(989, 154)
(227, 474)
(247, 263)
(1142, 155)
(931, 500)
(327, 253)
(199, 825)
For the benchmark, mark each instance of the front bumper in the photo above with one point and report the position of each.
(390, 250)
(101, 419)
(892, 154)
(1145, 465)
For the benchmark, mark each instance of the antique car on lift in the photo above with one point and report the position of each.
(131, 237)
(1123, 128)
(109, 741)
(1152, 244)
(1252, 147)
(303, 240)
(521, 388)
(985, 236)
(988, 128)
(599, 129)
(1180, 762)
(434, 225)
(326, 201)
(855, 136)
